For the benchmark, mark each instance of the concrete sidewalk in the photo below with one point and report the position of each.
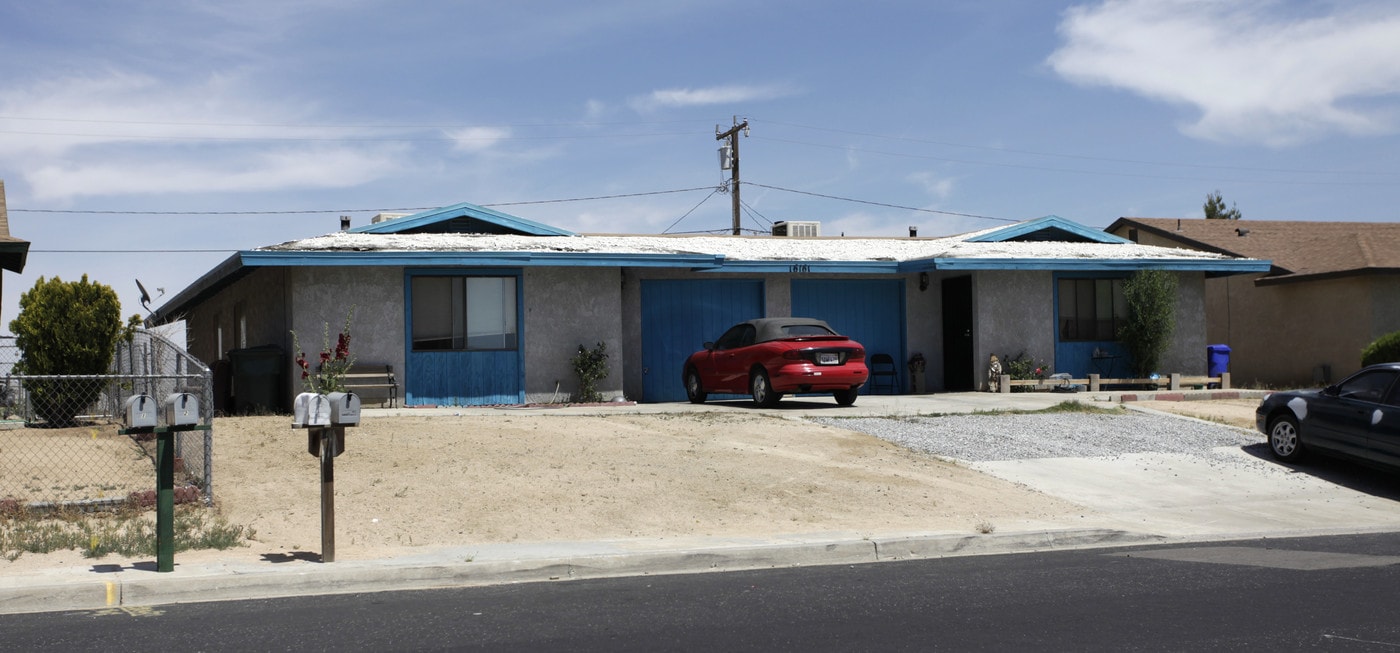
(1231, 493)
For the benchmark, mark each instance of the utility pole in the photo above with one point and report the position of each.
(730, 160)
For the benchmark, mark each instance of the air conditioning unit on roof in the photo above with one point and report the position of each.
(382, 217)
(796, 229)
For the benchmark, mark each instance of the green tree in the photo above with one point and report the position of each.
(66, 328)
(1215, 208)
(1151, 300)
(1383, 350)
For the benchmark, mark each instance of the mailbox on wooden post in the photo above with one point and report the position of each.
(325, 417)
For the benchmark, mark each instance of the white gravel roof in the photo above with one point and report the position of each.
(743, 248)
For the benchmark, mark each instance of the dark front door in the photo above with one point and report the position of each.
(958, 370)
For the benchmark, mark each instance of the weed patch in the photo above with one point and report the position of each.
(127, 533)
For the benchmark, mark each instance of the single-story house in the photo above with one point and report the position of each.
(1333, 288)
(472, 306)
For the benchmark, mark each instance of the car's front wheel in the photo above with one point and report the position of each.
(846, 397)
(1283, 439)
(762, 389)
(693, 390)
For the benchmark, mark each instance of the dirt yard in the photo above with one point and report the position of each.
(407, 482)
(443, 480)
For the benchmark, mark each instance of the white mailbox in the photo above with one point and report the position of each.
(141, 412)
(345, 408)
(311, 409)
(181, 408)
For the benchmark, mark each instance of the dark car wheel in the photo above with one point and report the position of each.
(762, 389)
(846, 397)
(1283, 439)
(693, 391)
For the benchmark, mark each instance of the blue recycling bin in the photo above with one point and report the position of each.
(1217, 359)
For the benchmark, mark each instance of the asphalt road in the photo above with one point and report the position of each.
(1334, 593)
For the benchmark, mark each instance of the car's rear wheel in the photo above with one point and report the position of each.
(762, 389)
(1283, 439)
(846, 397)
(693, 390)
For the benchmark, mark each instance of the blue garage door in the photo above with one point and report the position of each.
(869, 310)
(679, 316)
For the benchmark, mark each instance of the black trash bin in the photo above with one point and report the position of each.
(258, 385)
(1217, 359)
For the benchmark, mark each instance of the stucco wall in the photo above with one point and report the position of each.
(320, 297)
(1014, 313)
(261, 296)
(1187, 352)
(924, 327)
(565, 308)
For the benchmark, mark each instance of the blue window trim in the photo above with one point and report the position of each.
(410, 273)
(1069, 354)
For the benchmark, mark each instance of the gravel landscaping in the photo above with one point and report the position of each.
(979, 438)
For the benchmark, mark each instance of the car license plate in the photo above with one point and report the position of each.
(828, 358)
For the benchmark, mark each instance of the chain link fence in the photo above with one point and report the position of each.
(61, 446)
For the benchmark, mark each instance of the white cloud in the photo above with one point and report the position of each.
(477, 139)
(1257, 70)
(285, 169)
(938, 187)
(690, 97)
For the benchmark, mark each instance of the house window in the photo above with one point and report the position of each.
(1091, 309)
(219, 335)
(240, 319)
(459, 313)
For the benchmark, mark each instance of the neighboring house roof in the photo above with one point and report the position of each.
(433, 239)
(13, 251)
(1299, 250)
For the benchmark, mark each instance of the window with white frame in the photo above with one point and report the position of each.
(463, 313)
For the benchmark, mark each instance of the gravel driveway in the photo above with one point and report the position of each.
(979, 438)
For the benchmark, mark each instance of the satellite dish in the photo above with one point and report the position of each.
(145, 296)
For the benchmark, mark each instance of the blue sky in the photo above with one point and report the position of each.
(924, 112)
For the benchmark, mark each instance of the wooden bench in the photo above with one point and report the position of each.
(373, 376)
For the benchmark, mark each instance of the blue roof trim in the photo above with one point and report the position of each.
(1048, 222)
(257, 258)
(1229, 266)
(464, 210)
(808, 267)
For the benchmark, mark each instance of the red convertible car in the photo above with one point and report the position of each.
(770, 357)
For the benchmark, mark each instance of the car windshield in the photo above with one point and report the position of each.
(798, 330)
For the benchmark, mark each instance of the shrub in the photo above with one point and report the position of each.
(1021, 368)
(591, 366)
(1385, 349)
(67, 328)
(1151, 299)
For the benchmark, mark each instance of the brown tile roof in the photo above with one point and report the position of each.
(1297, 249)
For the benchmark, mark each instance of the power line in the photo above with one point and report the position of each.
(1103, 173)
(345, 125)
(892, 206)
(380, 210)
(1078, 156)
(692, 210)
(365, 139)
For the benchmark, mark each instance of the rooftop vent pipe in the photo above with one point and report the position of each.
(345, 223)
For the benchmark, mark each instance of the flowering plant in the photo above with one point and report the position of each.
(333, 363)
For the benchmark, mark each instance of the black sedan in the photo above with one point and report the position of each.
(1357, 418)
